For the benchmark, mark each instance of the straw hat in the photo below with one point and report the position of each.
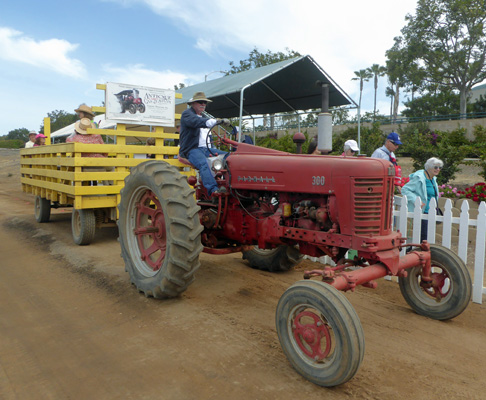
(82, 125)
(198, 96)
(85, 109)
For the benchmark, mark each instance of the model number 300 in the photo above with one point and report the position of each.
(318, 180)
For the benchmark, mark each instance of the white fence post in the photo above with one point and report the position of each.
(478, 289)
(447, 228)
(464, 231)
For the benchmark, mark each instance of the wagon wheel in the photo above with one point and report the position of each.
(160, 232)
(141, 108)
(450, 291)
(132, 108)
(42, 209)
(83, 226)
(320, 333)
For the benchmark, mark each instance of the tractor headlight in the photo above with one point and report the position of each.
(217, 165)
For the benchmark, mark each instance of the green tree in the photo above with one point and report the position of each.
(397, 65)
(257, 59)
(19, 134)
(447, 41)
(376, 71)
(389, 92)
(363, 75)
(443, 102)
(60, 119)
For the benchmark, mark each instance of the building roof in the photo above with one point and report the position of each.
(285, 86)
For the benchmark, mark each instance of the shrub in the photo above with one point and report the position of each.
(477, 192)
(11, 144)
(285, 143)
(478, 149)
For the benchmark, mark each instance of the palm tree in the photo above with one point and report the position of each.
(376, 71)
(363, 75)
(390, 93)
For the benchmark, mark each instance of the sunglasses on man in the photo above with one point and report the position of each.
(202, 102)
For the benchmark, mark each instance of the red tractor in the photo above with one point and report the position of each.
(279, 207)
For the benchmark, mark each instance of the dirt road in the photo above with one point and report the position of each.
(72, 327)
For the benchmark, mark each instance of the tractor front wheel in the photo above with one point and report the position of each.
(282, 258)
(320, 333)
(160, 232)
(447, 295)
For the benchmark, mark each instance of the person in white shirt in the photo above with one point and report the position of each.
(30, 143)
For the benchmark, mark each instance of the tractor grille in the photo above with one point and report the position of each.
(372, 206)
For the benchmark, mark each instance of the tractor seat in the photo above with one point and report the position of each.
(185, 161)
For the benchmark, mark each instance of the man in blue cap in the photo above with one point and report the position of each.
(386, 152)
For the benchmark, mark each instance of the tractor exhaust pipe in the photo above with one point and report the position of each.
(324, 122)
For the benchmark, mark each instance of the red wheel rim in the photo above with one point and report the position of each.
(440, 285)
(312, 335)
(150, 230)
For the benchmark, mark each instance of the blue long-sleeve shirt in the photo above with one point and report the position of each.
(190, 125)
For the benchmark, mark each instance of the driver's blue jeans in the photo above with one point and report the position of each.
(198, 158)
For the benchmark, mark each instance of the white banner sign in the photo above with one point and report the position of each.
(131, 104)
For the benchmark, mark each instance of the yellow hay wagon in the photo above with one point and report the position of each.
(59, 176)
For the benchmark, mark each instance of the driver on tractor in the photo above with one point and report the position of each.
(193, 145)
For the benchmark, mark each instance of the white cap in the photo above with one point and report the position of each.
(352, 145)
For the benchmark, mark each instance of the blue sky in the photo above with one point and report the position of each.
(53, 52)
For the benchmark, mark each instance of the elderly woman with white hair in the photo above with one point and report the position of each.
(423, 184)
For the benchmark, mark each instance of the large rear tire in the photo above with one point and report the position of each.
(42, 209)
(451, 288)
(320, 333)
(282, 258)
(83, 226)
(160, 232)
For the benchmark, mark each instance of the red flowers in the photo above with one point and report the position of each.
(476, 192)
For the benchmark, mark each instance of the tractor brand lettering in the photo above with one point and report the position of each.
(152, 98)
(256, 179)
(318, 180)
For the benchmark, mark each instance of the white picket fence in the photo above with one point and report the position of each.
(450, 224)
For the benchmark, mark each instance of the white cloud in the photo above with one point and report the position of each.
(341, 36)
(49, 54)
(137, 74)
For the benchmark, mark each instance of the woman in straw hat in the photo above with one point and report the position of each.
(81, 135)
(85, 111)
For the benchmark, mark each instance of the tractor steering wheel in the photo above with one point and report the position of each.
(208, 140)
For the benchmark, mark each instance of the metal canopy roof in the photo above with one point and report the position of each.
(285, 86)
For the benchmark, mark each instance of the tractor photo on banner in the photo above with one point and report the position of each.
(139, 104)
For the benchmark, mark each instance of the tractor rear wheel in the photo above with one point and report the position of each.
(320, 333)
(42, 209)
(450, 291)
(282, 258)
(160, 232)
(83, 226)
